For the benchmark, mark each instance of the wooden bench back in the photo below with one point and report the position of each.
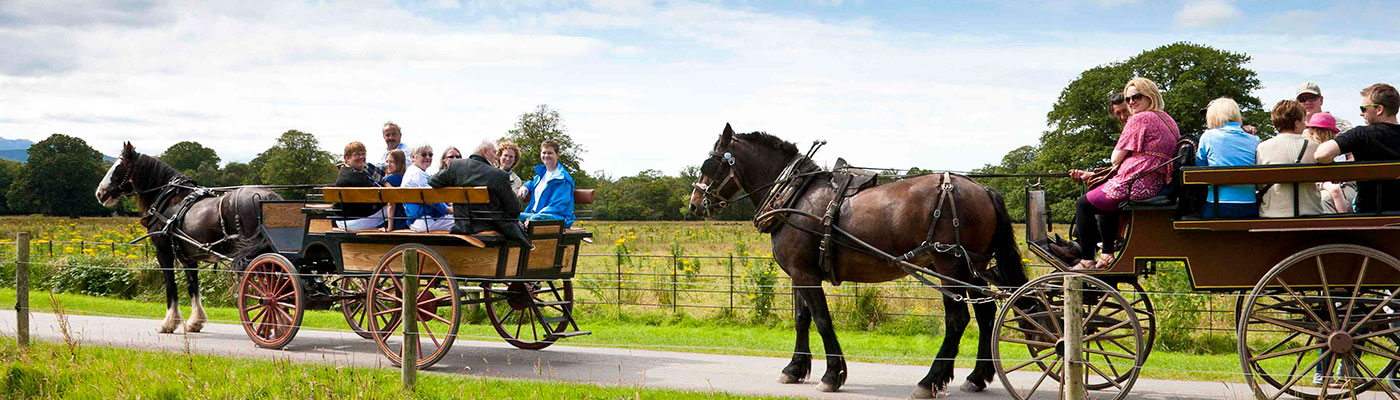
(456, 195)
(1290, 173)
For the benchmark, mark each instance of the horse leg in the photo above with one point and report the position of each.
(166, 258)
(941, 372)
(983, 371)
(801, 365)
(197, 317)
(815, 300)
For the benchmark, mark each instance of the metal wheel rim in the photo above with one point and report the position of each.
(508, 307)
(1095, 318)
(437, 294)
(276, 317)
(1320, 306)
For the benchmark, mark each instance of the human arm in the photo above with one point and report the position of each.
(1327, 151)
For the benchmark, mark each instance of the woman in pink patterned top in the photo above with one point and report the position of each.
(1147, 143)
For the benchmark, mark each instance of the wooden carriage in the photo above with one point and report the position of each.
(526, 293)
(1315, 292)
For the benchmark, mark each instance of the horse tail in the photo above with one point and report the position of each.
(1009, 269)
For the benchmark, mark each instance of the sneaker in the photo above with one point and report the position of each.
(1317, 379)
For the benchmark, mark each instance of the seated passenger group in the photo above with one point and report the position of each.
(1141, 162)
(550, 193)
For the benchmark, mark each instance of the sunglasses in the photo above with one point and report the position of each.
(1134, 98)
(1308, 97)
(1365, 106)
(451, 157)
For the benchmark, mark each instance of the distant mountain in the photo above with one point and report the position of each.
(15, 144)
(18, 150)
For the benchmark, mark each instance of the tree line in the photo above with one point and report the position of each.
(63, 172)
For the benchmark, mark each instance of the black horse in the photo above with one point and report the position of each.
(894, 218)
(207, 227)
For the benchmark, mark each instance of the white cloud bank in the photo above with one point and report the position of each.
(1203, 13)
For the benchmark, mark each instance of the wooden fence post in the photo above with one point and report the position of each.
(1074, 335)
(731, 282)
(675, 263)
(22, 288)
(410, 319)
(619, 285)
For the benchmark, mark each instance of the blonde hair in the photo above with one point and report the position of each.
(1221, 111)
(1149, 89)
(1320, 135)
(399, 162)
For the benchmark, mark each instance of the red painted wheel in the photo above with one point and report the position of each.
(438, 302)
(353, 291)
(271, 301)
(511, 310)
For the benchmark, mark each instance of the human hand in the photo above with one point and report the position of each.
(1251, 129)
(1079, 174)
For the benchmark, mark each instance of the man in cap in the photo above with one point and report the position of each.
(1310, 96)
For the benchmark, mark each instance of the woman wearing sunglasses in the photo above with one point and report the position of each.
(1141, 168)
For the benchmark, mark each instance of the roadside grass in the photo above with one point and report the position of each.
(715, 334)
(49, 371)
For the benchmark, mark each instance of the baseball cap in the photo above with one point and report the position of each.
(1308, 88)
(1323, 120)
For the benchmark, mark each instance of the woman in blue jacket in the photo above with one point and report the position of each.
(551, 191)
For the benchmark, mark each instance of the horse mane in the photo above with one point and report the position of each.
(153, 172)
(763, 138)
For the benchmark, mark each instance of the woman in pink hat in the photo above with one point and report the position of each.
(1336, 196)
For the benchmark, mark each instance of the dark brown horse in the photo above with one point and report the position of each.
(895, 218)
(226, 223)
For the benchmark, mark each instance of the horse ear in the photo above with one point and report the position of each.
(727, 135)
(128, 151)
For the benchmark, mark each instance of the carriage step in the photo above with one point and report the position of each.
(561, 335)
(554, 320)
(553, 303)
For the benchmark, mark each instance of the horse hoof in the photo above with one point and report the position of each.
(921, 393)
(971, 387)
(193, 327)
(829, 388)
(786, 379)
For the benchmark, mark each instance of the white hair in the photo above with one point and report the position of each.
(485, 144)
(388, 124)
(420, 149)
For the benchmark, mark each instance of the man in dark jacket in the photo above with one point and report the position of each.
(500, 215)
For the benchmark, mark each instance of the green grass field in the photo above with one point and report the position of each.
(55, 371)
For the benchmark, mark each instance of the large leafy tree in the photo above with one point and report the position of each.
(188, 156)
(1081, 131)
(534, 128)
(296, 159)
(59, 178)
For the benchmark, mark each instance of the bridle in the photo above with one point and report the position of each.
(709, 167)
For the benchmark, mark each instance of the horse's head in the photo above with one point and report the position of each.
(706, 195)
(117, 183)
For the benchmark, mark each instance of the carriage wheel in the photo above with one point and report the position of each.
(271, 301)
(1113, 341)
(1324, 306)
(353, 290)
(511, 308)
(438, 303)
(1147, 316)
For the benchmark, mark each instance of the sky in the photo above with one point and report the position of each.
(947, 85)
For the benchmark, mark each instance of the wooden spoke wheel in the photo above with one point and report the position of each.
(1331, 308)
(271, 301)
(438, 305)
(353, 291)
(526, 313)
(1147, 316)
(1114, 344)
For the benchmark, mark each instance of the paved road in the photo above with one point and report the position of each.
(608, 366)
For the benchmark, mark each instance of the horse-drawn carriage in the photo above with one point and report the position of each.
(527, 293)
(1314, 292)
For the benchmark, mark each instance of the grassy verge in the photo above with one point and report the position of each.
(48, 371)
(678, 333)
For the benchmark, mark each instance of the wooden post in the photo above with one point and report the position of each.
(674, 265)
(22, 288)
(410, 319)
(1074, 335)
(619, 285)
(731, 282)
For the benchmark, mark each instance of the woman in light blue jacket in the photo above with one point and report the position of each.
(551, 191)
(1227, 144)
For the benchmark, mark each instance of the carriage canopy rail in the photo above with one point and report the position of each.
(1290, 173)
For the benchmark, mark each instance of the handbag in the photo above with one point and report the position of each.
(1100, 175)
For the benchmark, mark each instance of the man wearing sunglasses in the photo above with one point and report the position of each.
(1310, 96)
(1378, 140)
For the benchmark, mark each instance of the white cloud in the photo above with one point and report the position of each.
(1203, 13)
